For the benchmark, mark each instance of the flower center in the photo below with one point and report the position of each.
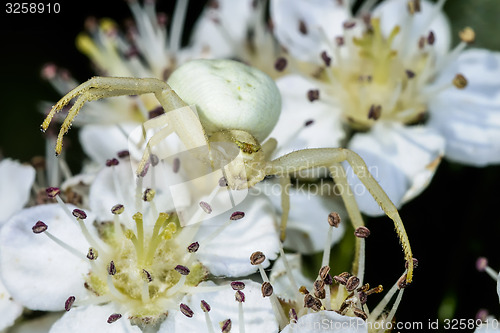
(144, 272)
(372, 80)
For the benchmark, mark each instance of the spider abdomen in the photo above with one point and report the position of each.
(229, 95)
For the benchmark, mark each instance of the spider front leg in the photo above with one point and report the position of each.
(103, 87)
(330, 158)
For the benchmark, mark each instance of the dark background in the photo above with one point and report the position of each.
(452, 223)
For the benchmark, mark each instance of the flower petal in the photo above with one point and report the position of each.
(294, 129)
(43, 280)
(16, 180)
(258, 313)
(228, 254)
(102, 142)
(395, 12)
(326, 321)
(92, 318)
(304, 27)
(306, 228)
(469, 119)
(9, 308)
(402, 159)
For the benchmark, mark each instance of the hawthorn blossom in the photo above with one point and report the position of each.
(336, 303)
(387, 86)
(144, 50)
(126, 263)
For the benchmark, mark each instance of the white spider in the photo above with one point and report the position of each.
(236, 105)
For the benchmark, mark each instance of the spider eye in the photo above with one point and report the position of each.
(229, 95)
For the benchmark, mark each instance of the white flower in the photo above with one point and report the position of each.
(145, 50)
(126, 259)
(17, 180)
(238, 30)
(387, 86)
(317, 306)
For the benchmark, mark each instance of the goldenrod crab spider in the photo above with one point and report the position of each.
(236, 104)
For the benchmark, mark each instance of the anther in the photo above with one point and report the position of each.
(481, 263)
(363, 297)
(460, 81)
(280, 64)
(114, 317)
(415, 263)
(92, 254)
(52, 192)
(237, 285)
(123, 154)
(421, 42)
(147, 276)
(69, 303)
(375, 112)
(257, 258)
(328, 279)
(377, 290)
(482, 315)
(158, 111)
(292, 314)
(267, 289)
(176, 165)
(334, 219)
(339, 40)
(39, 227)
(117, 209)
(410, 74)
(431, 38)
(186, 310)
(193, 247)
(414, 6)
(302, 27)
(303, 290)
(362, 232)
(342, 278)
(402, 282)
(308, 122)
(79, 214)
(319, 289)
(467, 35)
(323, 272)
(313, 95)
(111, 268)
(326, 59)
(112, 162)
(183, 270)
(237, 215)
(144, 171)
(349, 24)
(352, 283)
(148, 195)
(205, 306)
(308, 301)
(223, 182)
(206, 207)
(226, 326)
(154, 160)
(360, 313)
(239, 296)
